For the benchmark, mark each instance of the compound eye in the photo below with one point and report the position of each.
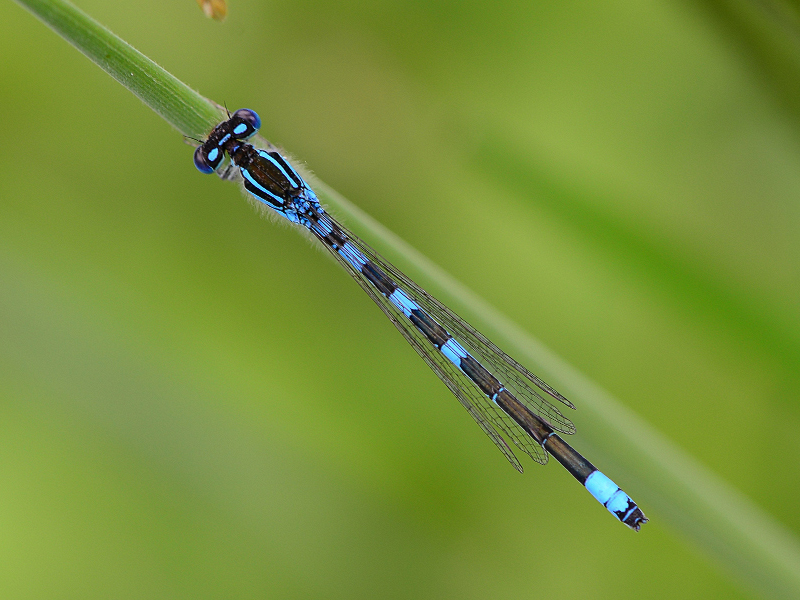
(207, 161)
(244, 123)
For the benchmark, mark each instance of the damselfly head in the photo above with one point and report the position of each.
(242, 124)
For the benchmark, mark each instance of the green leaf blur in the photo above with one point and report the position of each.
(196, 403)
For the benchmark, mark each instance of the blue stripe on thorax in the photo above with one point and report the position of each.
(266, 155)
(246, 174)
(297, 175)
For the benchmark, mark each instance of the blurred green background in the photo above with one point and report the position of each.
(197, 403)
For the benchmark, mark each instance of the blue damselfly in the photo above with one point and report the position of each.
(504, 398)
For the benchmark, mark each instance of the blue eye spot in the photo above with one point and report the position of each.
(201, 161)
(250, 117)
(240, 129)
(212, 156)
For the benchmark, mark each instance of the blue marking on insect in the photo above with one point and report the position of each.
(247, 175)
(619, 502)
(610, 495)
(266, 155)
(300, 179)
(600, 486)
(324, 227)
(352, 255)
(503, 397)
(454, 352)
(403, 303)
(248, 116)
(631, 510)
(494, 399)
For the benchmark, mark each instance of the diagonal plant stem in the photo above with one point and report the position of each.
(182, 107)
(752, 546)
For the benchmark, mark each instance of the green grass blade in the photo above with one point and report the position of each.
(182, 107)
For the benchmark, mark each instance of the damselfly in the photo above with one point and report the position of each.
(504, 398)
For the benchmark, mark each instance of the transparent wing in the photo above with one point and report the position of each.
(525, 386)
